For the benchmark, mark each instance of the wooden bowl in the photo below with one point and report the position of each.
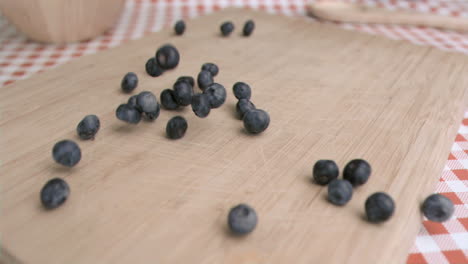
(62, 21)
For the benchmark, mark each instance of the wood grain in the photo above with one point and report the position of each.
(137, 197)
(62, 21)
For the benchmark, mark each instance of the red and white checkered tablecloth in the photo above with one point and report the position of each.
(436, 242)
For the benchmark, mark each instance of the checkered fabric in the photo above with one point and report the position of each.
(436, 242)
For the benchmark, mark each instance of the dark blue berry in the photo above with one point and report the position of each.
(242, 219)
(211, 68)
(179, 27)
(176, 127)
(379, 207)
(152, 67)
(167, 57)
(227, 28)
(357, 172)
(256, 121)
(188, 79)
(54, 193)
(216, 95)
(88, 127)
(128, 114)
(242, 90)
(183, 93)
(132, 101)
(148, 104)
(339, 192)
(249, 27)
(243, 106)
(204, 80)
(168, 100)
(438, 208)
(67, 153)
(201, 105)
(325, 171)
(129, 82)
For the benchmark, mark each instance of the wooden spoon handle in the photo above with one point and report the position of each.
(356, 13)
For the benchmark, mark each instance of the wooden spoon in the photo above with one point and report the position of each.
(356, 13)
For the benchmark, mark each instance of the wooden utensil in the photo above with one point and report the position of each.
(137, 197)
(62, 21)
(359, 13)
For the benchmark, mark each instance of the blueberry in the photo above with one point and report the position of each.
(339, 192)
(129, 82)
(211, 68)
(227, 28)
(243, 106)
(132, 101)
(242, 219)
(188, 79)
(216, 95)
(256, 121)
(183, 93)
(152, 68)
(325, 171)
(437, 208)
(128, 114)
(379, 207)
(54, 193)
(167, 57)
(179, 27)
(67, 153)
(176, 127)
(242, 90)
(357, 172)
(201, 105)
(204, 79)
(88, 127)
(147, 102)
(249, 27)
(168, 99)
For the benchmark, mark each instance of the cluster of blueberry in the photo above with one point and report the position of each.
(226, 28)
(379, 206)
(255, 120)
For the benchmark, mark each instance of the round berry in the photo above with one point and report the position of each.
(167, 57)
(340, 192)
(188, 79)
(249, 27)
(128, 114)
(54, 193)
(211, 68)
(325, 171)
(379, 207)
(132, 101)
(88, 127)
(152, 68)
(176, 127)
(67, 153)
(183, 93)
(201, 105)
(242, 219)
(438, 208)
(179, 27)
(129, 82)
(357, 172)
(204, 80)
(168, 100)
(227, 28)
(216, 95)
(242, 90)
(256, 121)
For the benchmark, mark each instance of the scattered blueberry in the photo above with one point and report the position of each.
(379, 207)
(132, 101)
(325, 171)
(201, 105)
(188, 79)
(179, 27)
(211, 68)
(176, 127)
(204, 79)
(129, 82)
(216, 95)
(339, 192)
(88, 127)
(167, 57)
(147, 102)
(242, 219)
(168, 99)
(227, 28)
(54, 193)
(437, 208)
(152, 67)
(242, 90)
(67, 153)
(183, 93)
(128, 114)
(256, 121)
(243, 106)
(249, 27)
(357, 172)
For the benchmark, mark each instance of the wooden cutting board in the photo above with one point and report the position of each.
(137, 197)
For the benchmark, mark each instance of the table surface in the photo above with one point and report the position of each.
(435, 243)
